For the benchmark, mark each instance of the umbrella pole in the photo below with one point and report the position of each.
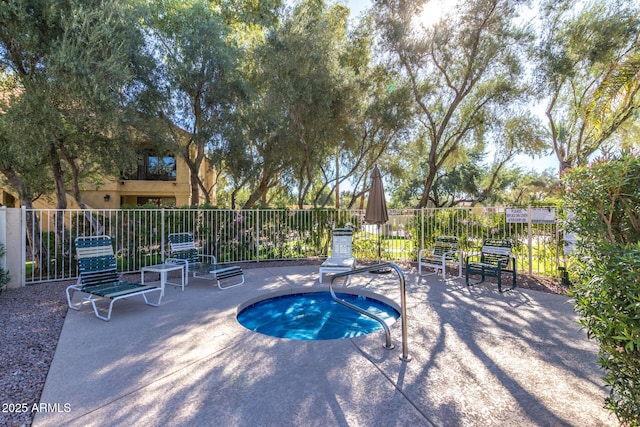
(379, 244)
(383, 270)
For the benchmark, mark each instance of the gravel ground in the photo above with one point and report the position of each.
(32, 318)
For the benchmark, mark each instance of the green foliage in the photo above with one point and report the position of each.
(604, 201)
(586, 60)
(607, 296)
(302, 98)
(471, 226)
(196, 65)
(72, 68)
(535, 189)
(367, 247)
(228, 234)
(606, 196)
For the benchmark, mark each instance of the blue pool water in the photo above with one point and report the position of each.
(315, 316)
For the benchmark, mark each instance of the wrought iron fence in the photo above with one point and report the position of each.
(140, 235)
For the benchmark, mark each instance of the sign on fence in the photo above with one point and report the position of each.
(538, 215)
(515, 215)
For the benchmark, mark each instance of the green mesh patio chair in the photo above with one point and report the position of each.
(493, 261)
(184, 251)
(99, 276)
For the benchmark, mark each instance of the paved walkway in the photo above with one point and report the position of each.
(479, 358)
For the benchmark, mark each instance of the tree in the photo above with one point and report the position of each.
(299, 105)
(75, 74)
(25, 169)
(535, 188)
(465, 75)
(474, 182)
(588, 70)
(377, 125)
(197, 60)
(71, 68)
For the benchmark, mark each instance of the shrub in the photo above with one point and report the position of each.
(604, 201)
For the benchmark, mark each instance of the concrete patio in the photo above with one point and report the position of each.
(479, 358)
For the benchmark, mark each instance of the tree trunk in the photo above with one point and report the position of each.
(58, 177)
(431, 176)
(61, 194)
(77, 194)
(195, 189)
(258, 193)
(364, 189)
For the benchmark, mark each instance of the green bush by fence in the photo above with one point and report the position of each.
(604, 201)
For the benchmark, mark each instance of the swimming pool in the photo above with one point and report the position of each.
(315, 316)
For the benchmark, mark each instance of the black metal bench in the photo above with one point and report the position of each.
(493, 260)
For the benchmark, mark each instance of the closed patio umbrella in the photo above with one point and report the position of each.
(376, 212)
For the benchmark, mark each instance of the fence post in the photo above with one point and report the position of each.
(14, 231)
(530, 239)
(422, 229)
(257, 216)
(162, 235)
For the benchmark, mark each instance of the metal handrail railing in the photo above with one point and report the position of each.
(403, 303)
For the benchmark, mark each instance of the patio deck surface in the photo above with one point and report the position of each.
(479, 358)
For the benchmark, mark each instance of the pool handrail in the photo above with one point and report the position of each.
(388, 344)
(403, 303)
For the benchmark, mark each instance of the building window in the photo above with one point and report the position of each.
(161, 168)
(152, 167)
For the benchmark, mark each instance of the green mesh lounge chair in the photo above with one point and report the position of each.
(99, 276)
(183, 250)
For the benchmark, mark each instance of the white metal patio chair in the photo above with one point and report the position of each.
(444, 251)
(341, 258)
